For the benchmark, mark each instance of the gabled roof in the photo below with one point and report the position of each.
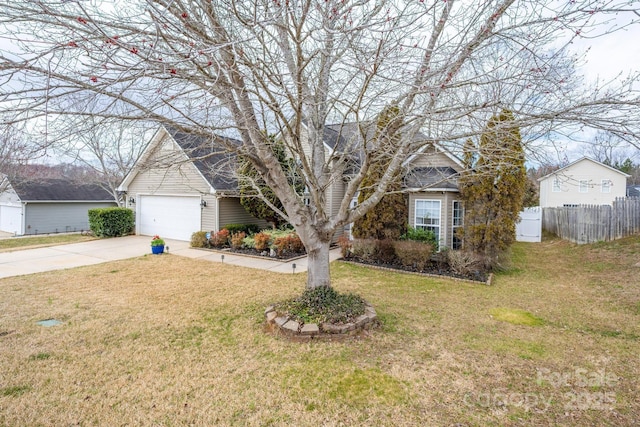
(561, 170)
(210, 158)
(432, 178)
(59, 190)
(208, 155)
(347, 136)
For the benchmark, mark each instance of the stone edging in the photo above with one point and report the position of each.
(296, 331)
(489, 281)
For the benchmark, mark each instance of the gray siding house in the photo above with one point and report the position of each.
(49, 206)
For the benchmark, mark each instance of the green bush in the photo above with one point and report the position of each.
(199, 240)
(111, 222)
(323, 304)
(242, 228)
(421, 235)
(412, 253)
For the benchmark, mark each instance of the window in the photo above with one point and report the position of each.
(584, 186)
(427, 216)
(457, 222)
(606, 186)
(555, 186)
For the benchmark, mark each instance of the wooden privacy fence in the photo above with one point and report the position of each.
(594, 223)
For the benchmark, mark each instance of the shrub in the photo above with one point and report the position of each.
(465, 263)
(385, 253)
(246, 228)
(220, 239)
(421, 235)
(199, 239)
(237, 239)
(365, 249)
(323, 304)
(111, 222)
(261, 240)
(289, 243)
(411, 253)
(345, 246)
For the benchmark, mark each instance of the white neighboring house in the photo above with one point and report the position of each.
(583, 182)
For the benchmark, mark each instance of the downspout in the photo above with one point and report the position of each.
(23, 221)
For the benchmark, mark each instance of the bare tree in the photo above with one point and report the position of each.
(16, 151)
(108, 147)
(292, 66)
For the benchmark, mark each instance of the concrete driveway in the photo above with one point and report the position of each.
(72, 255)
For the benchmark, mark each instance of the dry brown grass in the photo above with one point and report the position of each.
(174, 341)
(19, 243)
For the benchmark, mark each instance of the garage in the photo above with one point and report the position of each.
(171, 217)
(11, 219)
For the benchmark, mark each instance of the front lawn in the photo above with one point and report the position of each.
(166, 340)
(19, 243)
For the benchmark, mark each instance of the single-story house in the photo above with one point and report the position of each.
(633, 190)
(182, 184)
(49, 205)
(583, 182)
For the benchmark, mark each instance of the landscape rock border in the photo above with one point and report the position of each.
(282, 325)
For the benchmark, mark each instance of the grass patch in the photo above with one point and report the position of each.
(14, 391)
(18, 243)
(176, 341)
(40, 356)
(515, 316)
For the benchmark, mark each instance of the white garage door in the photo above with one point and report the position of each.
(11, 219)
(170, 217)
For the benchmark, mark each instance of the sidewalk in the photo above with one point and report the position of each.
(38, 260)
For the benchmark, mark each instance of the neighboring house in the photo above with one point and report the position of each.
(182, 184)
(633, 191)
(430, 176)
(582, 182)
(49, 206)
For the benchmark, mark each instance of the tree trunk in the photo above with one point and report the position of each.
(318, 266)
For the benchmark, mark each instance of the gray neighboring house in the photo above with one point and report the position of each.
(49, 206)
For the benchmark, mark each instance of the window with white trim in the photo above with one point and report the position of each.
(584, 186)
(605, 186)
(457, 222)
(427, 216)
(555, 185)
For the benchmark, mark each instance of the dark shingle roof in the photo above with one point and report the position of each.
(432, 177)
(210, 157)
(633, 190)
(59, 190)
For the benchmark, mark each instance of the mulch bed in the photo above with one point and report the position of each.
(284, 257)
(432, 268)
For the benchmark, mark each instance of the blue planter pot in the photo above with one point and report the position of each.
(157, 249)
